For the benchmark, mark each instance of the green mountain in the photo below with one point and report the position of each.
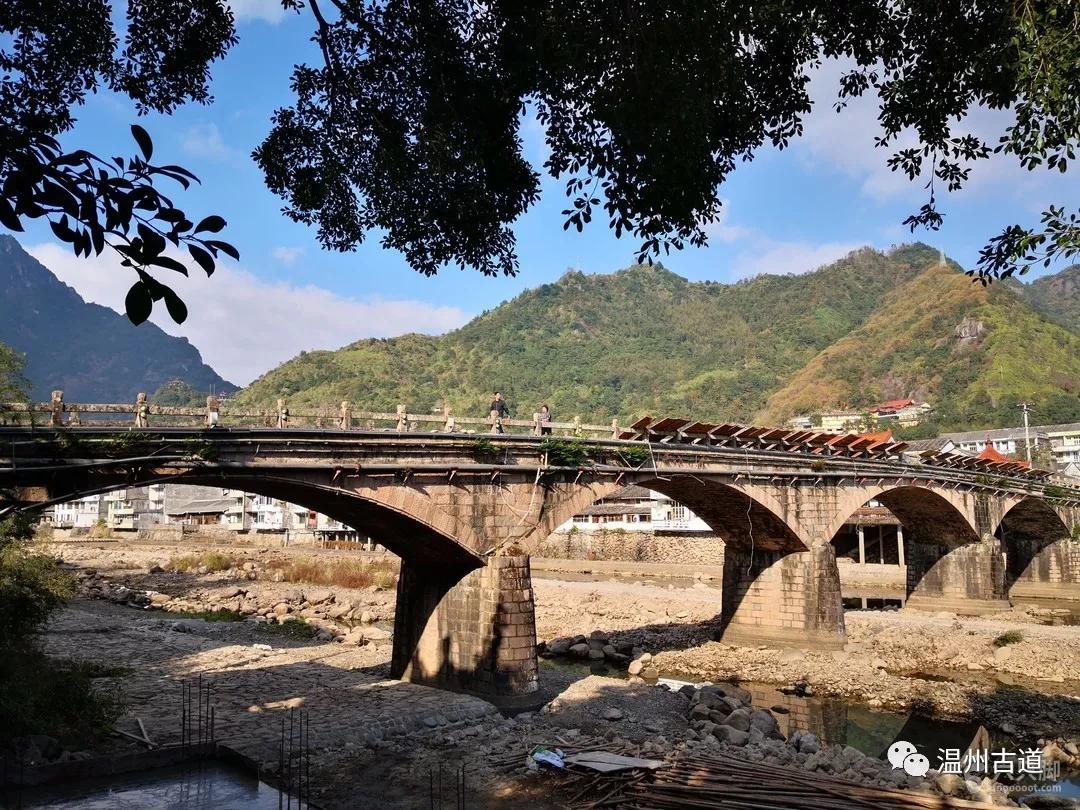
(974, 352)
(871, 326)
(1057, 297)
(88, 351)
(643, 339)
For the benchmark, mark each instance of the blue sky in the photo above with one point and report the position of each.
(786, 211)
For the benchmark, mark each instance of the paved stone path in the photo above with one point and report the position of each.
(342, 690)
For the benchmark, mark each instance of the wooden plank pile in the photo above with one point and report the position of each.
(719, 781)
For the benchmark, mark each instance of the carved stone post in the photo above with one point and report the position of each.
(282, 414)
(536, 424)
(615, 428)
(56, 413)
(449, 425)
(345, 422)
(401, 419)
(213, 411)
(142, 411)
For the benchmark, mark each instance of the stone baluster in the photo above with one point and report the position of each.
(73, 416)
(536, 424)
(142, 411)
(449, 425)
(345, 422)
(615, 428)
(402, 418)
(282, 414)
(213, 411)
(577, 425)
(56, 409)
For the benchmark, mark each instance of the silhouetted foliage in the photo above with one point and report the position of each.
(52, 54)
(411, 124)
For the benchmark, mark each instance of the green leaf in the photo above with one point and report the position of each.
(142, 137)
(212, 223)
(138, 304)
(177, 309)
(205, 260)
(7, 216)
(225, 248)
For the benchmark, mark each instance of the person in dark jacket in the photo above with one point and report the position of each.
(498, 411)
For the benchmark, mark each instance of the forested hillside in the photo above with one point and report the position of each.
(88, 351)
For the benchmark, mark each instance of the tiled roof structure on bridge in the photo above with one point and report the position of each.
(674, 430)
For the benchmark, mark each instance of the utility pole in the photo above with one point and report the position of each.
(1025, 407)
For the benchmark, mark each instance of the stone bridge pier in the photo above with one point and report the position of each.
(475, 634)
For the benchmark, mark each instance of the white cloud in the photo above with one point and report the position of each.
(204, 140)
(244, 325)
(844, 141)
(266, 10)
(775, 257)
(287, 255)
(721, 230)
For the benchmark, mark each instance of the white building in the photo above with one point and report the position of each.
(636, 509)
(81, 513)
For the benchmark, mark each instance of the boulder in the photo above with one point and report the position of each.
(731, 690)
(701, 712)
(739, 719)
(808, 743)
(612, 714)
(316, 596)
(580, 650)
(731, 736)
(763, 720)
(635, 667)
(559, 646)
(596, 655)
(281, 609)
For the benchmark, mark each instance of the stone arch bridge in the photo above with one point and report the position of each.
(463, 512)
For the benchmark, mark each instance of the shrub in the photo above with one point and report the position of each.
(343, 573)
(1011, 637)
(634, 456)
(214, 561)
(219, 615)
(39, 695)
(564, 452)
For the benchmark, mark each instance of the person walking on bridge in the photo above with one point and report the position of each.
(498, 411)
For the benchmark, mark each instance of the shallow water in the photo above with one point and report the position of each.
(207, 786)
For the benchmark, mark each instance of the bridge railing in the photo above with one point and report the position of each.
(217, 413)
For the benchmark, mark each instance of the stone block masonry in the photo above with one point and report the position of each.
(477, 634)
(787, 599)
(635, 546)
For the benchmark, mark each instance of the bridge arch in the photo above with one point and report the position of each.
(949, 565)
(944, 514)
(1042, 558)
(402, 520)
(744, 519)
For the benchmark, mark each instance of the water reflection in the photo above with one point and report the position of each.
(207, 786)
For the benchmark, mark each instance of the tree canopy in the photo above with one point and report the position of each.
(53, 53)
(409, 126)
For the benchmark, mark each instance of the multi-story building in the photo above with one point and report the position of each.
(902, 412)
(81, 513)
(1064, 443)
(637, 509)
